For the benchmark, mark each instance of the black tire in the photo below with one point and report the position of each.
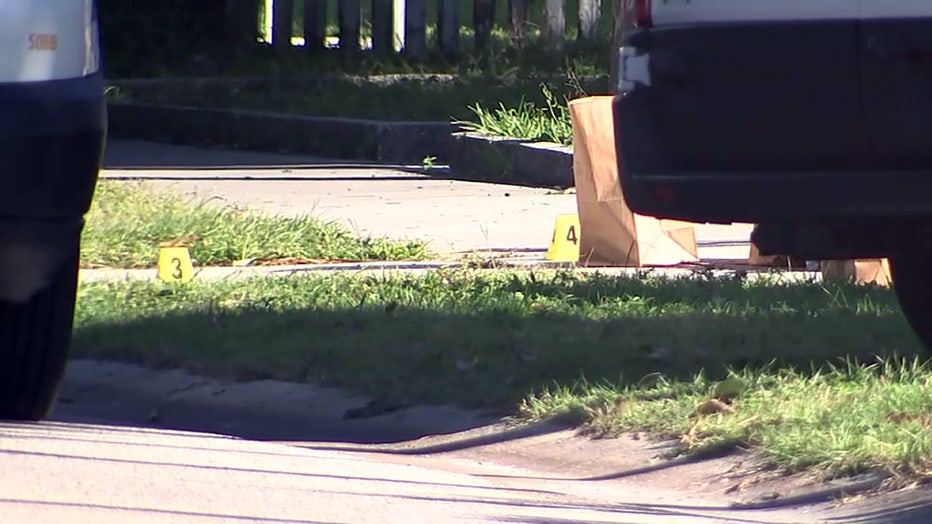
(34, 340)
(912, 282)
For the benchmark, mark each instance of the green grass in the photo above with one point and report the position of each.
(502, 58)
(127, 221)
(842, 419)
(507, 106)
(525, 330)
(524, 109)
(615, 353)
(353, 84)
(527, 120)
(427, 98)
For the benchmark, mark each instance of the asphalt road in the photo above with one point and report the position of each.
(114, 453)
(270, 452)
(91, 474)
(135, 446)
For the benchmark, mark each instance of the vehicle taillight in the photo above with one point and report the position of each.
(661, 193)
(642, 13)
(637, 13)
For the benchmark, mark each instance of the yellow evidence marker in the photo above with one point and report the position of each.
(564, 246)
(175, 263)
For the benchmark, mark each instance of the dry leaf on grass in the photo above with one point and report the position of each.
(713, 406)
(692, 434)
(920, 418)
(181, 241)
(296, 261)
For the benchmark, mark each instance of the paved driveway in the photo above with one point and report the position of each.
(375, 200)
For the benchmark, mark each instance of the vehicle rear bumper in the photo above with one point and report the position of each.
(756, 197)
(759, 196)
(51, 142)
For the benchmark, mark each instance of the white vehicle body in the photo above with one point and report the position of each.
(688, 12)
(47, 40)
(53, 125)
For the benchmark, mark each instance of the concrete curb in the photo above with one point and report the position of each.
(217, 273)
(511, 161)
(340, 138)
(260, 409)
(810, 495)
(471, 156)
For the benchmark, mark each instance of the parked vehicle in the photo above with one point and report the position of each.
(811, 119)
(52, 130)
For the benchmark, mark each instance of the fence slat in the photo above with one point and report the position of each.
(617, 25)
(282, 21)
(315, 24)
(519, 16)
(448, 27)
(398, 23)
(383, 34)
(416, 28)
(590, 13)
(483, 17)
(349, 14)
(555, 22)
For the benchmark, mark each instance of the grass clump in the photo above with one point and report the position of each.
(527, 120)
(835, 419)
(417, 98)
(127, 221)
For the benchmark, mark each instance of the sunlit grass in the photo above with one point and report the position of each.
(127, 222)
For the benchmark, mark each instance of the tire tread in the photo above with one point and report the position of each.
(34, 342)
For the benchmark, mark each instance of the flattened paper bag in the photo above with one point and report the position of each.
(866, 271)
(610, 233)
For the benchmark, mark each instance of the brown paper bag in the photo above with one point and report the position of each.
(866, 271)
(610, 233)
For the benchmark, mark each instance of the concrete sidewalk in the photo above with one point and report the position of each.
(395, 201)
(120, 452)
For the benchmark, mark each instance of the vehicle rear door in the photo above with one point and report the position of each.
(751, 85)
(896, 78)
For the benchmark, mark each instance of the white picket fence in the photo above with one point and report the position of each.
(400, 26)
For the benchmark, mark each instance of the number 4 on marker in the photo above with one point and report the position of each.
(571, 235)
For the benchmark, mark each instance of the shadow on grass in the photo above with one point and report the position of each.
(505, 340)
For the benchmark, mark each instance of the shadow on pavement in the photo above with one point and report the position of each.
(906, 507)
(462, 440)
(121, 406)
(128, 155)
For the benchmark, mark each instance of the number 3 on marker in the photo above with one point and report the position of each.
(178, 272)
